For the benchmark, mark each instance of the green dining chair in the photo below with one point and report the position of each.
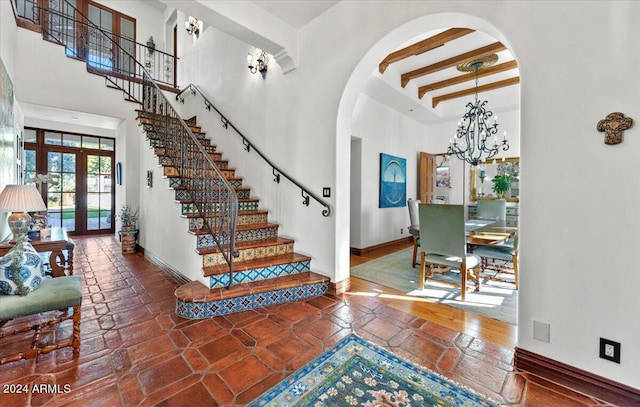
(443, 242)
(414, 227)
(501, 259)
(492, 209)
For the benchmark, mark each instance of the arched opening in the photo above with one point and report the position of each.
(355, 155)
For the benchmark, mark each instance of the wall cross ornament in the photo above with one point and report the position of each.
(614, 126)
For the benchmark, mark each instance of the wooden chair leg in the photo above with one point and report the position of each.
(415, 251)
(422, 267)
(516, 271)
(463, 282)
(76, 330)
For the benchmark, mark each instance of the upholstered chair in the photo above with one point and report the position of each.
(443, 242)
(414, 227)
(492, 209)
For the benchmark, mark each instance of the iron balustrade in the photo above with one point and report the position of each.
(214, 198)
(102, 50)
(248, 146)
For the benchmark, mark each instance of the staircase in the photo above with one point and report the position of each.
(247, 264)
(266, 270)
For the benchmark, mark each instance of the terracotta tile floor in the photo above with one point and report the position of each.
(136, 351)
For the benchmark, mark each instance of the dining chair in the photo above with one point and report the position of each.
(492, 209)
(414, 228)
(502, 258)
(443, 242)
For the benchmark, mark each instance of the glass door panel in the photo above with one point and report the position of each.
(99, 192)
(61, 198)
(100, 54)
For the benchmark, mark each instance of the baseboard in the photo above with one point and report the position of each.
(368, 250)
(577, 379)
(340, 287)
(181, 279)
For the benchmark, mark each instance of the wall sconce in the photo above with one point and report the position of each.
(260, 64)
(193, 26)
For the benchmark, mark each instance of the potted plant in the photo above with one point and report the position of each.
(128, 232)
(501, 184)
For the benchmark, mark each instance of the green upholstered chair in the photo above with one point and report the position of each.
(443, 242)
(492, 209)
(414, 227)
(501, 259)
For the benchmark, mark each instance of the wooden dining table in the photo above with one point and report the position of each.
(487, 232)
(57, 243)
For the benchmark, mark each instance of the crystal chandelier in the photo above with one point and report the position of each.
(473, 142)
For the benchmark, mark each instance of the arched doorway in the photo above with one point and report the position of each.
(351, 107)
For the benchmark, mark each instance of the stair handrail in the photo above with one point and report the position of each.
(37, 19)
(248, 145)
(154, 101)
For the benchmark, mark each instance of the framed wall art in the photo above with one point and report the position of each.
(393, 181)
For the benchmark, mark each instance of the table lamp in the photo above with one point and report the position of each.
(20, 199)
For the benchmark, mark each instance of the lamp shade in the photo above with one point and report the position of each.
(21, 198)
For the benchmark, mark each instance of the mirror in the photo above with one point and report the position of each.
(481, 176)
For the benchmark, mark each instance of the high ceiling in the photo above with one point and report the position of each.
(411, 96)
(420, 78)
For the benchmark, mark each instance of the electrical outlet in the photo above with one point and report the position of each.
(610, 350)
(401, 230)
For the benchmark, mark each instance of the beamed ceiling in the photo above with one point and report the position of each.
(425, 72)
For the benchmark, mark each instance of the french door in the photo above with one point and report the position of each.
(79, 191)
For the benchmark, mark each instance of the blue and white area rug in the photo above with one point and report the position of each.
(356, 372)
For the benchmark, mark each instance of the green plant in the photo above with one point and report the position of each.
(127, 216)
(501, 184)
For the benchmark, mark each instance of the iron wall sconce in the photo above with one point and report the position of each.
(193, 26)
(258, 63)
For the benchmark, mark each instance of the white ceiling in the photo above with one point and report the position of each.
(296, 13)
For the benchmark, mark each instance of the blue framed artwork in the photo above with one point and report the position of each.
(393, 181)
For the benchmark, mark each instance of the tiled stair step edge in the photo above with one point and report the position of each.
(243, 205)
(158, 131)
(169, 171)
(184, 196)
(164, 159)
(244, 218)
(239, 228)
(151, 118)
(196, 301)
(176, 182)
(209, 148)
(259, 274)
(245, 233)
(264, 262)
(247, 250)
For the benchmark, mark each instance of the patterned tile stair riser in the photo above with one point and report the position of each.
(262, 273)
(358, 373)
(199, 310)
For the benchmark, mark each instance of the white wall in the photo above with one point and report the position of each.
(383, 130)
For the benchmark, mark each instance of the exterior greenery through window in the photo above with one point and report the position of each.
(82, 202)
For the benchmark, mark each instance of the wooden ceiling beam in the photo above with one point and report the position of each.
(423, 46)
(471, 91)
(448, 63)
(466, 77)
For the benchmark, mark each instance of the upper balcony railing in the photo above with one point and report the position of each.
(102, 50)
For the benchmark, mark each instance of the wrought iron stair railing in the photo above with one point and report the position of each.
(213, 196)
(248, 146)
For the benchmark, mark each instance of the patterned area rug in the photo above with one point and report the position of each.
(496, 299)
(358, 373)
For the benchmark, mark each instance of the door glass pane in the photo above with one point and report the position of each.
(51, 137)
(91, 142)
(30, 136)
(107, 144)
(99, 53)
(71, 140)
(61, 198)
(99, 196)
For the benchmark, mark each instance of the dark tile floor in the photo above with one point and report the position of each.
(136, 351)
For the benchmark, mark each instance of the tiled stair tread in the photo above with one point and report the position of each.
(240, 227)
(230, 179)
(243, 213)
(272, 241)
(256, 264)
(195, 291)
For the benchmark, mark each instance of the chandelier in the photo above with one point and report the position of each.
(472, 142)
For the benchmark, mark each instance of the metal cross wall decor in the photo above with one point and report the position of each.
(613, 126)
